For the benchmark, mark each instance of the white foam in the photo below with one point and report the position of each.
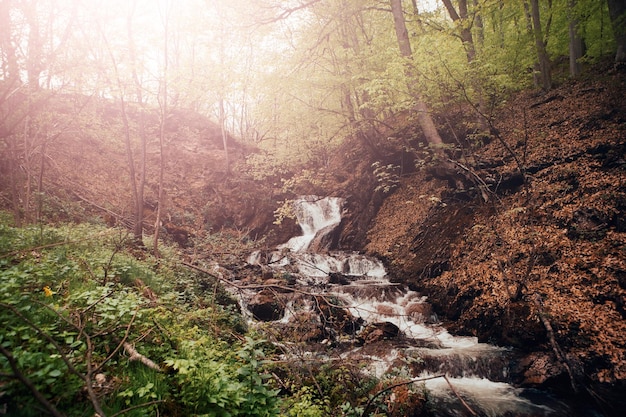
(313, 214)
(494, 398)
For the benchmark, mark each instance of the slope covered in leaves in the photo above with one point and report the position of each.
(542, 265)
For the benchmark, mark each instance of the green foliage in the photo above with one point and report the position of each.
(324, 389)
(213, 380)
(305, 404)
(68, 307)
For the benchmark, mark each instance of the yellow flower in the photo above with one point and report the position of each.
(47, 291)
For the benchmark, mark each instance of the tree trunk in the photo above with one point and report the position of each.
(8, 46)
(163, 118)
(222, 117)
(617, 12)
(423, 115)
(462, 19)
(13, 166)
(137, 202)
(575, 42)
(480, 27)
(542, 54)
(34, 58)
(141, 119)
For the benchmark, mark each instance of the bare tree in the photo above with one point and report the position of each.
(424, 118)
(163, 97)
(545, 73)
(463, 20)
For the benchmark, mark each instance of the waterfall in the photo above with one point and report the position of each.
(317, 217)
(368, 309)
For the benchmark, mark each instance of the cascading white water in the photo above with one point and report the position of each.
(369, 296)
(314, 214)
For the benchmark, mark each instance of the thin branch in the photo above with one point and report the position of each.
(492, 128)
(31, 387)
(472, 412)
(411, 381)
(88, 384)
(120, 344)
(46, 336)
(285, 13)
(536, 298)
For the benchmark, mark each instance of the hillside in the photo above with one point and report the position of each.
(84, 172)
(542, 265)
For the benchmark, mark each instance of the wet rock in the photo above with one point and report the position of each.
(335, 319)
(303, 327)
(324, 239)
(279, 285)
(266, 306)
(376, 332)
(538, 368)
(338, 278)
(419, 311)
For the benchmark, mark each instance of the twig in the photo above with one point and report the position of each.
(482, 185)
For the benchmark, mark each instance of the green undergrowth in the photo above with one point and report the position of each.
(90, 325)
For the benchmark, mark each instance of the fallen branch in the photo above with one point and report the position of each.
(472, 412)
(136, 356)
(536, 298)
(278, 287)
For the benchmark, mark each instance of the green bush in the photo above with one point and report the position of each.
(71, 296)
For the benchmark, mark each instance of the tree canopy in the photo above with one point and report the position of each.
(293, 78)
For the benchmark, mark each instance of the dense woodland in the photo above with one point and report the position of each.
(147, 147)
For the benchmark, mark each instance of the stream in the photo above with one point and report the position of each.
(346, 301)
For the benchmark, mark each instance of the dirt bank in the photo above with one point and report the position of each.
(542, 265)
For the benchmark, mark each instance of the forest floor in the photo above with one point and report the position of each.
(541, 265)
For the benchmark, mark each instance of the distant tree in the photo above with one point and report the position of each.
(545, 73)
(465, 23)
(576, 47)
(163, 113)
(32, 38)
(617, 12)
(423, 114)
(138, 180)
(137, 171)
(10, 67)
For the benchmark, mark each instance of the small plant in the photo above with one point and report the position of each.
(387, 177)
